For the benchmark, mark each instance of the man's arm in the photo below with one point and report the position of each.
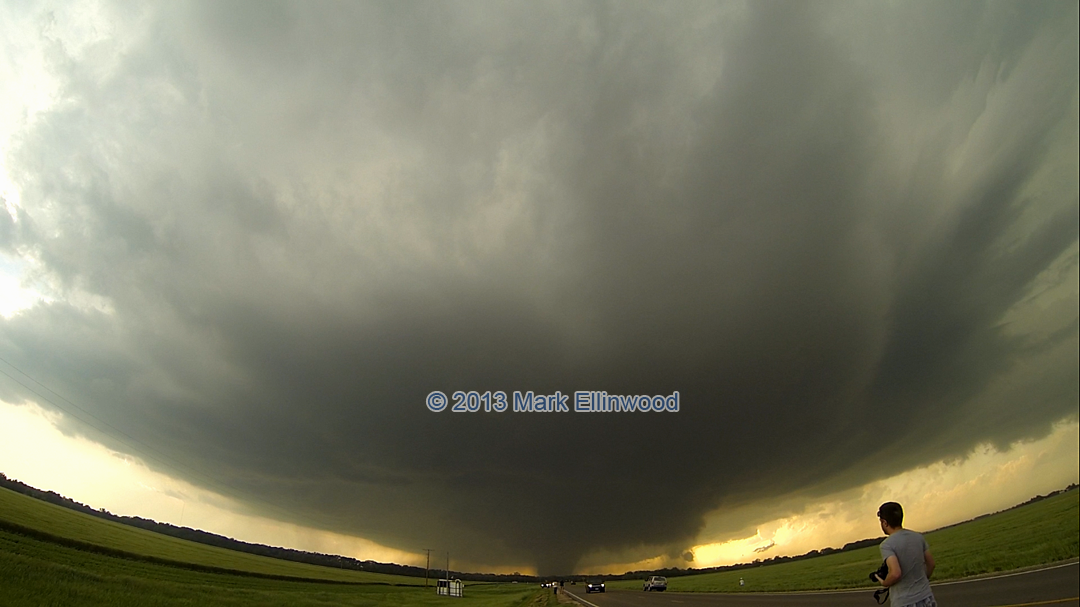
(894, 572)
(929, 558)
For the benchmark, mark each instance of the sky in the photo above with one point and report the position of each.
(244, 243)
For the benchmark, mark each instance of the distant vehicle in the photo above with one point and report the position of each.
(594, 585)
(655, 582)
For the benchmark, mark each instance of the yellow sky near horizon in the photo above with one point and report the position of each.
(34, 451)
(944, 493)
(934, 496)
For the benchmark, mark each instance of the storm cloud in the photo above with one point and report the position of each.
(845, 233)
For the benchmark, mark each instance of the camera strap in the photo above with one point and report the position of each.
(881, 596)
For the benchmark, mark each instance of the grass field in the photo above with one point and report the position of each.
(39, 572)
(55, 520)
(1043, 532)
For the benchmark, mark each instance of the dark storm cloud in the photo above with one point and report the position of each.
(279, 226)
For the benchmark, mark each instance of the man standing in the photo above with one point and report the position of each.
(909, 560)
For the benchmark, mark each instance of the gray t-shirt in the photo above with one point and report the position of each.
(908, 548)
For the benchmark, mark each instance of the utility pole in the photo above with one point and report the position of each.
(427, 566)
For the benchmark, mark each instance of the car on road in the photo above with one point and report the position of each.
(655, 582)
(594, 585)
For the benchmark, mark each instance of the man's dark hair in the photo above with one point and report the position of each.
(891, 513)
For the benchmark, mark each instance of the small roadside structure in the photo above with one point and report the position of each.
(450, 588)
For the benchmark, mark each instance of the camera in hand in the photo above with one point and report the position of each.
(882, 594)
(882, 572)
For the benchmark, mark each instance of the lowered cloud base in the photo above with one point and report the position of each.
(846, 234)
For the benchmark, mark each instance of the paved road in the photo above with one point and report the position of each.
(1055, 586)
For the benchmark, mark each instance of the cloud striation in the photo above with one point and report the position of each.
(271, 229)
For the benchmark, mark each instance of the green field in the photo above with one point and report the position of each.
(1043, 532)
(38, 572)
(52, 519)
